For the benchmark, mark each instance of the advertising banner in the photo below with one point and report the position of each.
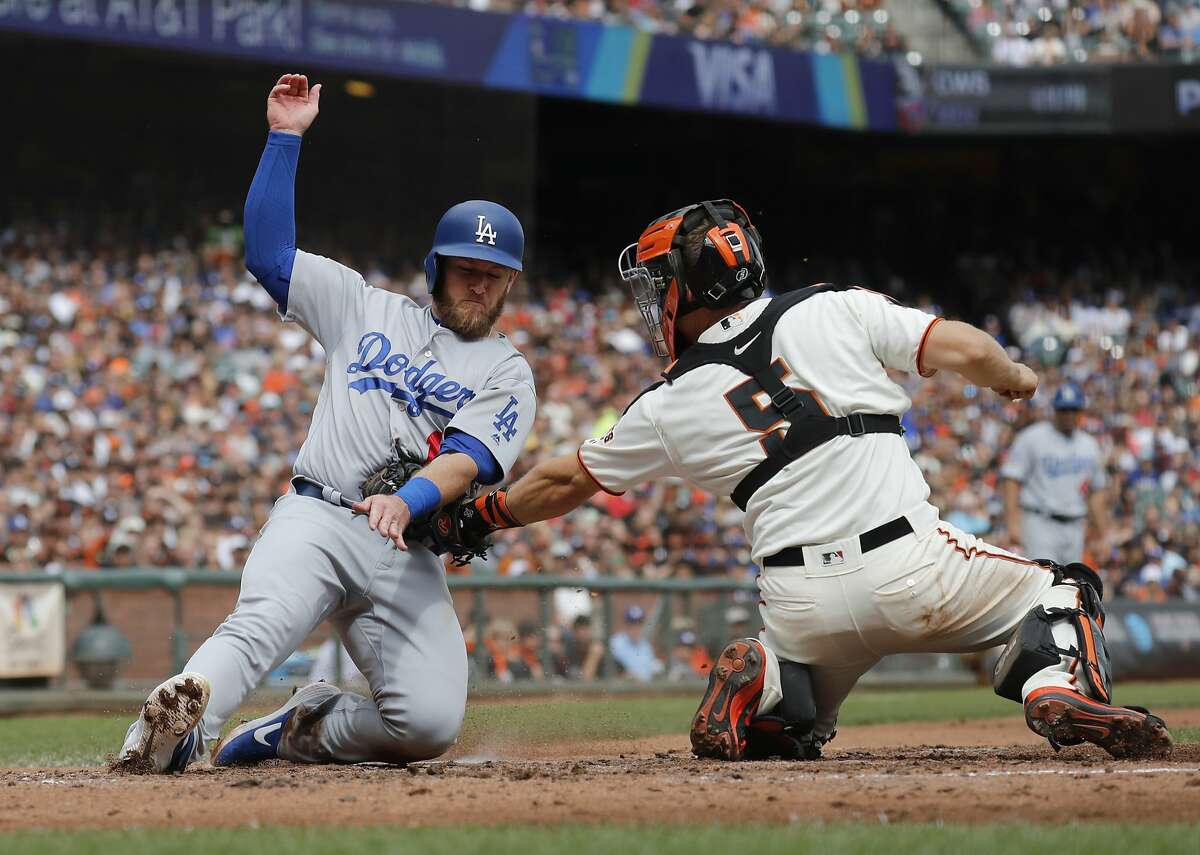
(1061, 100)
(547, 56)
(32, 630)
(1153, 640)
(991, 99)
(1184, 88)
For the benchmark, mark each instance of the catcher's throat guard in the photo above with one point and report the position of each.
(729, 271)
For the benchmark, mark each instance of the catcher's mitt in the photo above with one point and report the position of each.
(462, 528)
(458, 529)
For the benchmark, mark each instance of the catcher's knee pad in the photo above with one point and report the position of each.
(798, 707)
(1079, 574)
(1033, 648)
(788, 731)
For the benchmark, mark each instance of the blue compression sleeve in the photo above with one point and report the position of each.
(270, 216)
(489, 468)
(422, 497)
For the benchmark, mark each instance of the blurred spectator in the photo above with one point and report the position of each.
(1035, 32)
(504, 660)
(151, 405)
(688, 658)
(579, 654)
(632, 650)
(824, 26)
(737, 622)
(525, 658)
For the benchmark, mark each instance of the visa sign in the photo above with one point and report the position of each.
(731, 77)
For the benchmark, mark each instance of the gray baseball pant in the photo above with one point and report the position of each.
(393, 611)
(1047, 538)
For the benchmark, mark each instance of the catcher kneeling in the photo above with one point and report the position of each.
(785, 405)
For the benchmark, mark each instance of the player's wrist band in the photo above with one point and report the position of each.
(493, 508)
(421, 495)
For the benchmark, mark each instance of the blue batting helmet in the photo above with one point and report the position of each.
(477, 229)
(1069, 397)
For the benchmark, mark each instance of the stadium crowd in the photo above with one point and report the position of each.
(1013, 32)
(864, 27)
(1053, 32)
(151, 405)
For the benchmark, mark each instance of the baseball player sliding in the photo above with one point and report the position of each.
(1054, 480)
(433, 385)
(785, 405)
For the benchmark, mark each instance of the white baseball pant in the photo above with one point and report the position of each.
(936, 590)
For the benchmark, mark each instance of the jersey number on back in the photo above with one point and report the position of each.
(753, 406)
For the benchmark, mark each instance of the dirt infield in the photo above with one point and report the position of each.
(976, 771)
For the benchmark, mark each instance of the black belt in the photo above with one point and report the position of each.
(793, 556)
(313, 490)
(1058, 518)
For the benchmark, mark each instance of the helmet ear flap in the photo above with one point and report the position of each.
(730, 265)
(432, 270)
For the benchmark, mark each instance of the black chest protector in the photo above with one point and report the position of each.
(809, 425)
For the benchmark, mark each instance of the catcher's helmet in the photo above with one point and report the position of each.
(476, 229)
(729, 271)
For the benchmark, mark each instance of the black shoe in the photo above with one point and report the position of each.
(734, 691)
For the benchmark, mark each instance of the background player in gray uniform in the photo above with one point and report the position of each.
(434, 382)
(1055, 480)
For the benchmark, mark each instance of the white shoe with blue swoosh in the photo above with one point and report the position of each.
(164, 737)
(258, 741)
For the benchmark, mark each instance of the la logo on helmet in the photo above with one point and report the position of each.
(485, 231)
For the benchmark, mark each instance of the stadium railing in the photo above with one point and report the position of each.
(175, 580)
(1146, 640)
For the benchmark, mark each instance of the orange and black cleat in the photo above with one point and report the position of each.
(735, 688)
(1065, 717)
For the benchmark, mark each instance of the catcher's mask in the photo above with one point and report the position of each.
(730, 269)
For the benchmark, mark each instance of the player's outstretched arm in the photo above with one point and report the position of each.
(979, 358)
(1100, 539)
(550, 489)
(1013, 515)
(269, 218)
(291, 106)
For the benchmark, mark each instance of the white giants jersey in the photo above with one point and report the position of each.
(708, 426)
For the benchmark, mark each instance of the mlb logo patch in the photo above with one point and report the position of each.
(832, 559)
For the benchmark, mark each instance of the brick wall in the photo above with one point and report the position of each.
(147, 619)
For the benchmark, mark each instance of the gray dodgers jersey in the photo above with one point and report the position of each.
(393, 372)
(1053, 468)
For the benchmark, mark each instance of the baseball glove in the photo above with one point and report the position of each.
(457, 528)
(393, 476)
(462, 528)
